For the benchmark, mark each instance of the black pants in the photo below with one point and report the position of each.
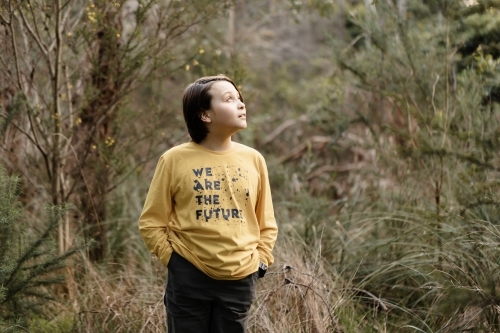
(199, 304)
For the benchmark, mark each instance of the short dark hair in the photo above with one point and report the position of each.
(196, 100)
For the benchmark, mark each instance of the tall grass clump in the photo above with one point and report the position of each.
(124, 293)
(297, 295)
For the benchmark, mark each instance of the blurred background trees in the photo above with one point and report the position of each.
(379, 121)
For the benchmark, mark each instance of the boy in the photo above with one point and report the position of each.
(208, 215)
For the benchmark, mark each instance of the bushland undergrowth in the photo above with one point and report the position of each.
(383, 160)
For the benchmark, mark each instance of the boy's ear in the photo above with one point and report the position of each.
(205, 117)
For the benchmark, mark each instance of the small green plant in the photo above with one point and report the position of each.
(29, 262)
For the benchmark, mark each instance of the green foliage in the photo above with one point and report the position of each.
(57, 325)
(29, 264)
(426, 244)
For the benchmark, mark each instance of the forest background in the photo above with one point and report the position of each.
(379, 120)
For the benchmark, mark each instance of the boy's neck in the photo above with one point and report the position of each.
(217, 144)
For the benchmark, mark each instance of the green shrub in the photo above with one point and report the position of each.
(29, 263)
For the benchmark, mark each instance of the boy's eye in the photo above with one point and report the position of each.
(232, 98)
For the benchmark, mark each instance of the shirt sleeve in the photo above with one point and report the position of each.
(153, 223)
(265, 215)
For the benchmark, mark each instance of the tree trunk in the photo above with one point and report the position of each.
(56, 189)
(231, 30)
(402, 8)
(93, 137)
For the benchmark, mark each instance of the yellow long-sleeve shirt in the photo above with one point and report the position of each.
(213, 208)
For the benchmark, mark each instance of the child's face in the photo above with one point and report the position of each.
(227, 114)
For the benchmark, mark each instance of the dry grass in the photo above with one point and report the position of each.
(297, 295)
(100, 300)
(304, 293)
(127, 301)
